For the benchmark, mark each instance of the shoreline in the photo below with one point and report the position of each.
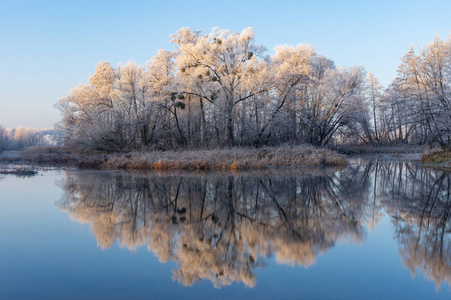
(194, 160)
(440, 160)
(232, 159)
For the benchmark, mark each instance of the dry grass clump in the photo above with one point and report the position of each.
(48, 155)
(437, 157)
(91, 162)
(226, 159)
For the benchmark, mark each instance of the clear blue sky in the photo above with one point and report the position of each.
(48, 47)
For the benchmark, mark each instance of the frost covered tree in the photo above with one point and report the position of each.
(132, 94)
(226, 61)
(374, 93)
(80, 118)
(287, 70)
(425, 80)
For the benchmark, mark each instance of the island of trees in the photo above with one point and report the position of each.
(221, 90)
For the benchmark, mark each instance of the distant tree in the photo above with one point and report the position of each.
(4, 140)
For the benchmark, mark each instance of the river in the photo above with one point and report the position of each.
(378, 229)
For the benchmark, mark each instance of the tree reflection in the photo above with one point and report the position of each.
(221, 228)
(418, 201)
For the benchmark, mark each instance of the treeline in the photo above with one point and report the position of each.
(20, 137)
(220, 89)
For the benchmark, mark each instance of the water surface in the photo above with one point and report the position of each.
(374, 230)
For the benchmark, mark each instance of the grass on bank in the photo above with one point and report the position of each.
(437, 157)
(227, 159)
(219, 159)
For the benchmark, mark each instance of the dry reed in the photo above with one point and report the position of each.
(226, 159)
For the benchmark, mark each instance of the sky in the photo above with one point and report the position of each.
(49, 47)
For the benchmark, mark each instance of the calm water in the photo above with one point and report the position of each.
(375, 230)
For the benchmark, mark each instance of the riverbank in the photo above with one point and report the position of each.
(437, 159)
(218, 159)
(369, 149)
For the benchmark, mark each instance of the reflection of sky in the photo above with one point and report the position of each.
(44, 253)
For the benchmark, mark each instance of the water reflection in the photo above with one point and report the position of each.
(222, 228)
(418, 201)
